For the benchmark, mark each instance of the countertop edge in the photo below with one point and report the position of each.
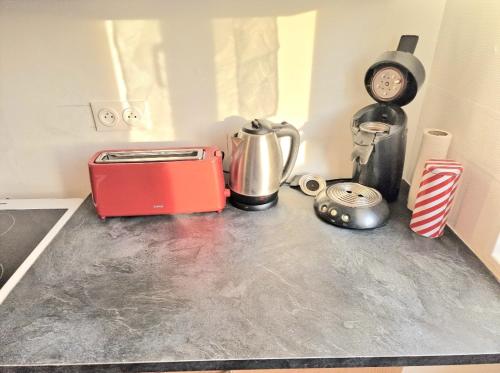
(278, 363)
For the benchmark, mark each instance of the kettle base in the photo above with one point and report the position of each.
(249, 203)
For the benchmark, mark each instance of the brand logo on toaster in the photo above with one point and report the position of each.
(158, 206)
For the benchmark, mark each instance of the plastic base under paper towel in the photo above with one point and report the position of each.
(251, 203)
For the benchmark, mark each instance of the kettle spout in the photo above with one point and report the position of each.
(235, 141)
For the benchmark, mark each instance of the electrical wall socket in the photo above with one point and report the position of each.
(120, 115)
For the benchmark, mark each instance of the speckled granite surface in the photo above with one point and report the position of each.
(268, 289)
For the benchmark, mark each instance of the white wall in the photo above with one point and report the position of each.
(463, 97)
(202, 66)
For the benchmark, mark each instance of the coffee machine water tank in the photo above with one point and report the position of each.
(379, 130)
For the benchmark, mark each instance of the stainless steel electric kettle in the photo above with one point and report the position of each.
(257, 170)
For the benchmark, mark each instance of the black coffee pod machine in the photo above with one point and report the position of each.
(379, 130)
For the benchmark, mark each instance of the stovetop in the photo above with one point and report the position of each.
(27, 226)
(20, 232)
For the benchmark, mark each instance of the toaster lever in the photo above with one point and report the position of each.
(219, 153)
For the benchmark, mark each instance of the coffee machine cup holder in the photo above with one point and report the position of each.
(366, 135)
(372, 124)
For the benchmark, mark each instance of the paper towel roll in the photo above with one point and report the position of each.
(435, 144)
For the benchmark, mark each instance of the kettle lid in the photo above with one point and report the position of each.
(258, 127)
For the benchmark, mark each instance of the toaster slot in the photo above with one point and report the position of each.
(153, 155)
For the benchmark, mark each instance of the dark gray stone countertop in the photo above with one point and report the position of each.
(236, 290)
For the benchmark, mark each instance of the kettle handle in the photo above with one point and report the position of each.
(287, 130)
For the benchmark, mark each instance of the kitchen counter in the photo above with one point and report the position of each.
(272, 289)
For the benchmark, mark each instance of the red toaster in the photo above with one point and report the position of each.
(157, 181)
